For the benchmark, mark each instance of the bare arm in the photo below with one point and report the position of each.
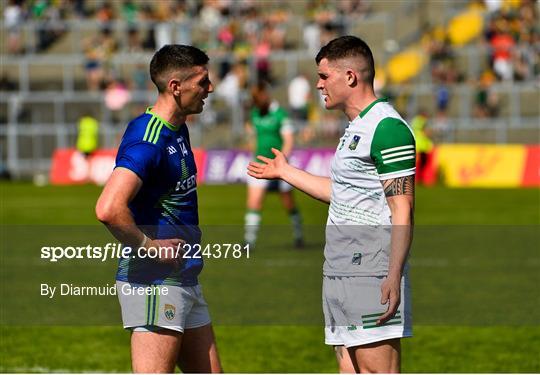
(250, 136)
(112, 206)
(278, 168)
(113, 211)
(400, 197)
(288, 143)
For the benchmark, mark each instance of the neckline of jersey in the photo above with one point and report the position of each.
(366, 110)
(166, 123)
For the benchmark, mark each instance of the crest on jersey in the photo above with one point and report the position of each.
(354, 143)
(342, 142)
(357, 259)
(169, 311)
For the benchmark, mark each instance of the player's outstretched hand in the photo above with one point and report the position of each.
(268, 168)
(167, 251)
(390, 293)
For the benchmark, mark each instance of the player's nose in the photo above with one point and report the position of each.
(210, 87)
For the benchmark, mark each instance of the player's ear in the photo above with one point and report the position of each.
(352, 77)
(174, 85)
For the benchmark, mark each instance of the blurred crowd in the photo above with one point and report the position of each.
(511, 39)
(244, 34)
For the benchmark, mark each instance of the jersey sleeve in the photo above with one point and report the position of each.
(286, 123)
(141, 158)
(393, 149)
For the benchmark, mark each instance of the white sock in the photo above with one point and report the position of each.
(252, 221)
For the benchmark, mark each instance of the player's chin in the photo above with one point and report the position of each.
(199, 108)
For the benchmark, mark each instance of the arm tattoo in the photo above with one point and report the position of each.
(399, 186)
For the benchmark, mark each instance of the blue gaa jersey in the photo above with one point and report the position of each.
(166, 205)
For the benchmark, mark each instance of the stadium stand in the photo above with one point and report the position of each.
(473, 66)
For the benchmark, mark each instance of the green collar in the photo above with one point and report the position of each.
(166, 123)
(366, 110)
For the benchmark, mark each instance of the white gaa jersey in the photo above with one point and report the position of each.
(377, 145)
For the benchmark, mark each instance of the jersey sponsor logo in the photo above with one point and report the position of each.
(343, 139)
(186, 184)
(354, 143)
(357, 258)
(171, 150)
(169, 311)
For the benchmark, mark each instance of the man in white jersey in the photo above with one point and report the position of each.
(366, 301)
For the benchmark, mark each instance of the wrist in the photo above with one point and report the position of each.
(286, 172)
(394, 275)
(143, 241)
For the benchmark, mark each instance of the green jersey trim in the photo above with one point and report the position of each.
(393, 147)
(166, 123)
(366, 110)
(153, 129)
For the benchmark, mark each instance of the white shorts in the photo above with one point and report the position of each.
(154, 307)
(279, 185)
(351, 306)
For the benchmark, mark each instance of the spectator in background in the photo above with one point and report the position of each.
(262, 55)
(88, 136)
(50, 27)
(312, 37)
(134, 43)
(486, 100)
(147, 15)
(129, 12)
(299, 93)
(13, 21)
(424, 145)
(116, 95)
(232, 85)
(502, 45)
(105, 13)
(163, 28)
(98, 52)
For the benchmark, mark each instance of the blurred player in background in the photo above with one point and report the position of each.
(270, 127)
(88, 135)
(366, 302)
(150, 201)
(424, 146)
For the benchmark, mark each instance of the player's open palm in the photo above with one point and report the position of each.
(268, 168)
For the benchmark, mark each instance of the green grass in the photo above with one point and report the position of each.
(474, 270)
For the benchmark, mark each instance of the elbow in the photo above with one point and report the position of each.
(104, 212)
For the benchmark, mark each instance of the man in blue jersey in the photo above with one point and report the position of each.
(150, 204)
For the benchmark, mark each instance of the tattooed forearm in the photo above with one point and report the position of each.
(399, 186)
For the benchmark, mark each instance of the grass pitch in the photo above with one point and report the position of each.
(474, 268)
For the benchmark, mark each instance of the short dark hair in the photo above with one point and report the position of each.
(173, 57)
(349, 46)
